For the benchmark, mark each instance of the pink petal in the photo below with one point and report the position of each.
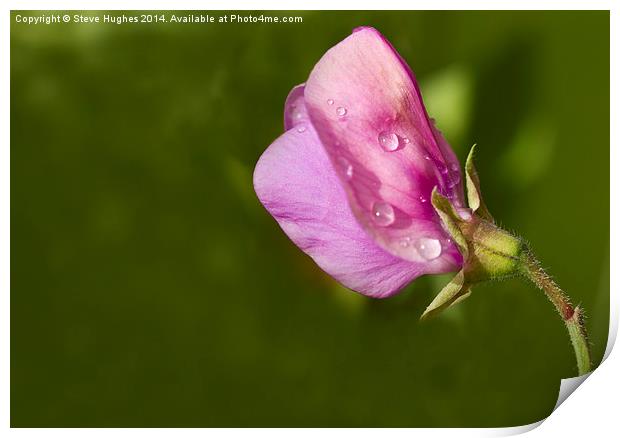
(363, 100)
(296, 182)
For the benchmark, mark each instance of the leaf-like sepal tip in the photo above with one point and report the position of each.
(474, 194)
(454, 292)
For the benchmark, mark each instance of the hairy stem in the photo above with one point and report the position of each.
(572, 316)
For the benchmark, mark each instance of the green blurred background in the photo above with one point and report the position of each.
(150, 287)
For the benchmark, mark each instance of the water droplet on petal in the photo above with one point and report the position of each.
(296, 114)
(341, 111)
(346, 167)
(388, 141)
(330, 101)
(454, 180)
(422, 199)
(301, 129)
(406, 140)
(428, 248)
(426, 157)
(383, 213)
(404, 242)
(465, 213)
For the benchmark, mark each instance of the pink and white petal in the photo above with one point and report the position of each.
(296, 182)
(366, 107)
(295, 112)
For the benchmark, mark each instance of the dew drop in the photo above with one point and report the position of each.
(427, 158)
(405, 242)
(388, 141)
(296, 114)
(383, 213)
(330, 101)
(346, 167)
(454, 180)
(422, 199)
(406, 140)
(301, 129)
(465, 213)
(429, 249)
(349, 171)
(341, 111)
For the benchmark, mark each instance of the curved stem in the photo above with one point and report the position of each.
(572, 316)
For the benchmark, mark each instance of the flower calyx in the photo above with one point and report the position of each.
(489, 252)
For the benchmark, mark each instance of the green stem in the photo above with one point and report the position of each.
(572, 316)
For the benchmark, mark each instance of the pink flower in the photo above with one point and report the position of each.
(350, 180)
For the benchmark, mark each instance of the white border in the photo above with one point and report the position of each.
(591, 410)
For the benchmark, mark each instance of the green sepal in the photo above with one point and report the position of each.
(474, 195)
(451, 220)
(488, 251)
(456, 290)
(452, 293)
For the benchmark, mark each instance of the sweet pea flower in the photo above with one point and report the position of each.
(365, 184)
(350, 180)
